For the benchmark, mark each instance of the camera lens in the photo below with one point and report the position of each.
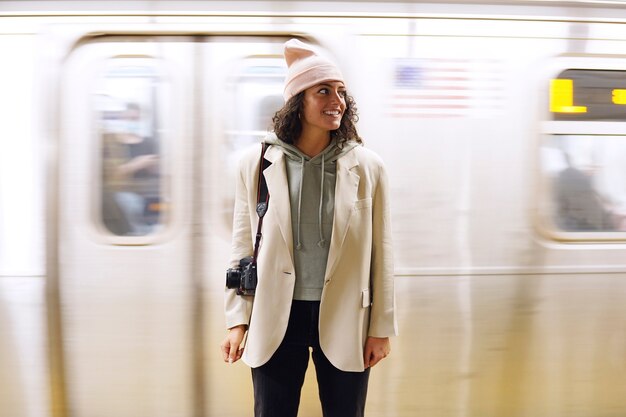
(233, 278)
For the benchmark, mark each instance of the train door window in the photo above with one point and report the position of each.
(134, 193)
(254, 92)
(584, 155)
(257, 93)
(588, 182)
(242, 95)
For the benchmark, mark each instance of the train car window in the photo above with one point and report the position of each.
(589, 95)
(584, 155)
(587, 179)
(257, 88)
(134, 198)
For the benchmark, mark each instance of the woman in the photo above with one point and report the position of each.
(325, 265)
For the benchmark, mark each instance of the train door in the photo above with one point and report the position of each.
(150, 128)
(240, 96)
(125, 239)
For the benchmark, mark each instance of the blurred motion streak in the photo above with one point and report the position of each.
(503, 127)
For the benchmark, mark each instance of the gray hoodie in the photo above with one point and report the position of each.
(312, 197)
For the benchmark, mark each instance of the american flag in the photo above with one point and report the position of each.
(446, 88)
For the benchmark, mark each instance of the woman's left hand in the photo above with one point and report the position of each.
(376, 348)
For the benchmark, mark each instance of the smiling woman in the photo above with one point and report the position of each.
(319, 102)
(333, 260)
(322, 110)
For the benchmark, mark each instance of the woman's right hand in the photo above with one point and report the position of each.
(230, 346)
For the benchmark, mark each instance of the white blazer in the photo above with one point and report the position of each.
(358, 298)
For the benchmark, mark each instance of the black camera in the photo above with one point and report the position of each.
(243, 278)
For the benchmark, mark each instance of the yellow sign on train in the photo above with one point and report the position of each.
(619, 96)
(562, 97)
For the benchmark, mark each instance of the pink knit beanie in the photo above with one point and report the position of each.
(306, 68)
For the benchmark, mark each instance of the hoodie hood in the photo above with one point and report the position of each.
(330, 154)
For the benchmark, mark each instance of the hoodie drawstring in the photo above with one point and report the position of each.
(299, 245)
(322, 241)
(319, 220)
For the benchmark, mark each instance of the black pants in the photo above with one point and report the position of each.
(278, 383)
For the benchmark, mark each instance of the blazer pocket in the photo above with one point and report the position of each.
(365, 298)
(364, 203)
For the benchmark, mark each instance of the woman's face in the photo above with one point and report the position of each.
(323, 106)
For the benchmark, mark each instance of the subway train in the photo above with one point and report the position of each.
(503, 128)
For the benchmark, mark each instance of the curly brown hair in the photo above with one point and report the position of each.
(288, 127)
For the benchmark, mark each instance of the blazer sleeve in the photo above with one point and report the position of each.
(239, 308)
(383, 321)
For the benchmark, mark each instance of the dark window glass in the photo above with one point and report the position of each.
(591, 95)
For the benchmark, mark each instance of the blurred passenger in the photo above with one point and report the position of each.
(326, 252)
(612, 178)
(131, 175)
(579, 206)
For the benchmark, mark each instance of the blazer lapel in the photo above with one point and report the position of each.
(346, 190)
(276, 178)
